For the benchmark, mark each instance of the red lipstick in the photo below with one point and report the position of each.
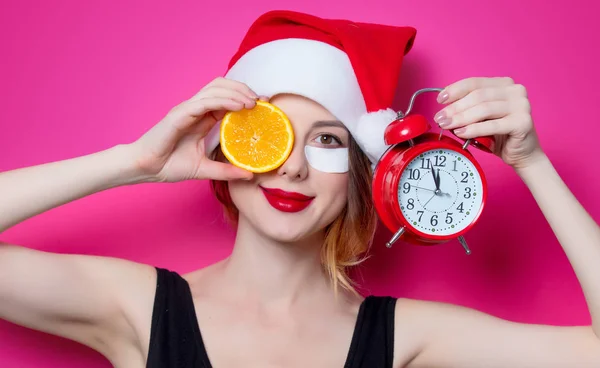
(286, 201)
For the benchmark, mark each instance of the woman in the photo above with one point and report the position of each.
(276, 300)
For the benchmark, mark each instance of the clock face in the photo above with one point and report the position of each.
(440, 192)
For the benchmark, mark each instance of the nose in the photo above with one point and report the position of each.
(295, 167)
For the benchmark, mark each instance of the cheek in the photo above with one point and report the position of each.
(334, 191)
(240, 192)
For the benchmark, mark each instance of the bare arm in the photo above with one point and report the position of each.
(29, 191)
(574, 228)
(96, 301)
(452, 336)
(77, 297)
(103, 302)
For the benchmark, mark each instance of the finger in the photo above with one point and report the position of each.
(477, 113)
(231, 84)
(474, 98)
(223, 92)
(463, 87)
(264, 98)
(188, 113)
(218, 115)
(223, 171)
(485, 128)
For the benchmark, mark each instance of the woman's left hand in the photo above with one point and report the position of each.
(479, 107)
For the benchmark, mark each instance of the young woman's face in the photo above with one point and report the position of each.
(296, 200)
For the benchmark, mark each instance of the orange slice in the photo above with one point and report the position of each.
(258, 139)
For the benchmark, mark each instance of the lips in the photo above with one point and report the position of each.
(286, 201)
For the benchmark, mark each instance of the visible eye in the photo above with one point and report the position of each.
(328, 140)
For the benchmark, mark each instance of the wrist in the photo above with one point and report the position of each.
(535, 162)
(125, 157)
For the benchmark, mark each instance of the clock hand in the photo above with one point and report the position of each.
(435, 179)
(430, 190)
(429, 200)
(433, 190)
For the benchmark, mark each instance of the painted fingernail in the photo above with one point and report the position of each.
(442, 119)
(444, 122)
(460, 130)
(440, 116)
(443, 96)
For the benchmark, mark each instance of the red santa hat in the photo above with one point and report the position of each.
(350, 68)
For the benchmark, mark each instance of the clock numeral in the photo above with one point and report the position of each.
(460, 208)
(465, 176)
(454, 167)
(434, 220)
(414, 174)
(423, 166)
(406, 187)
(411, 204)
(440, 160)
(468, 192)
(420, 213)
(449, 217)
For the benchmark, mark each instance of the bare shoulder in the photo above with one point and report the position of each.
(408, 331)
(130, 286)
(417, 321)
(102, 302)
(135, 287)
(437, 334)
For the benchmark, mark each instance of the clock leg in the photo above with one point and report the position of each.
(395, 237)
(463, 242)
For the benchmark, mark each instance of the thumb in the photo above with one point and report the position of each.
(223, 171)
(218, 114)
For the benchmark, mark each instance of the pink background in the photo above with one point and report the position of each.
(81, 76)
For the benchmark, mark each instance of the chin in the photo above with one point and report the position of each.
(283, 226)
(285, 221)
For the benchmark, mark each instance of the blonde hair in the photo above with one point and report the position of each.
(349, 236)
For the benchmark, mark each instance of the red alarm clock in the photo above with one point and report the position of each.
(427, 187)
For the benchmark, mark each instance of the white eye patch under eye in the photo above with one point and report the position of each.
(329, 160)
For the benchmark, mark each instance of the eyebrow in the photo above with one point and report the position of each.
(329, 123)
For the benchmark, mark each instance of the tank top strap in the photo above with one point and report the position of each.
(175, 340)
(373, 340)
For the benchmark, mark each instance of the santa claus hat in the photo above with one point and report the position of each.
(350, 68)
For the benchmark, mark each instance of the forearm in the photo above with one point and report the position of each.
(29, 191)
(574, 228)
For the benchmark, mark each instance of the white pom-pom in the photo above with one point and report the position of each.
(369, 132)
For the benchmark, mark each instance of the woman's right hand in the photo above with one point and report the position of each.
(174, 149)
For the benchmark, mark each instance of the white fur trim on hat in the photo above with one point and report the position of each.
(318, 71)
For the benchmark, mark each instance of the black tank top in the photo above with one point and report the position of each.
(176, 342)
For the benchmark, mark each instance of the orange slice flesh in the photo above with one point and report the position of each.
(258, 139)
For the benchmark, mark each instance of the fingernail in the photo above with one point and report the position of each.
(445, 122)
(440, 116)
(460, 130)
(442, 119)
(443, 96)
